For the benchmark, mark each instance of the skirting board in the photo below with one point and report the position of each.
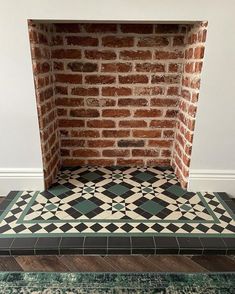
(20, 179)
(212, 181)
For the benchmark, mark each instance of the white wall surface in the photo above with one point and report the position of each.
(214, 143)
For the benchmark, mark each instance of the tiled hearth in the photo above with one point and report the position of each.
(116, 210)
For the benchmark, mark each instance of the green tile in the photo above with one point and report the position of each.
(118, 189)
(85, 206)
(91, 176)
(176, 190)
(148, 190)
(186, 207)
(88, 189)
(144, 176)
(58, 190)
(151, 207)
(118, 206)
(50, 206)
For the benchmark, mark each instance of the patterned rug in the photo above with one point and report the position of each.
(116, 200)
(116, 283)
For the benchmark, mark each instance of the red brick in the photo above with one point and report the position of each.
(130, 162)
(148, 113)
(100, 143)
(173, 91)
(150, 67)
(160, 143)
(116, 133)
(162, 123)
(101, 124)
(145, 153)
(85, 134)
(132, 124)
(100, 28)
(101, 162)
(58, 65)
(171, 113)
(135, 55)
(61, 112)
(166, 28)
(66, 53)
(189, 67)
(82, 67)
(116, 152)
(115, 112)
(57, 40)
(166, 79)
(68, 123)
(73, 162)
(156, 90)
(189, 53)
(116, 91)
(64, 152)
(67, 27)
(147, 133)
(71, 102)
(116, 67)
(159, 162)
(72, 143)
(79, 91)
(168, 134)
(132, 102)
(131, 143)
(84, 113)
(153, 41)
(164, 102)
(137, 28)
(82, 41)
(159, 54)
(100, 79)
(86, 153)
(186, 94)
(198, 67)
(199, 52)
(178, 41)
(100, 54)
(68, 78)
(192, 110)
(94, 102)
(133, 79)
(166, 153)
(114, 41)
(175, 67)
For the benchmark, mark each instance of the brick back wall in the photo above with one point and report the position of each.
(40, 40)
(117, 92)
(193, 61)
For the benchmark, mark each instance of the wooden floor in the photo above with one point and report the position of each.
(75, 263)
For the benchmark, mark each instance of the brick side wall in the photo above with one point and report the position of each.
(40, 40)
(117, 92)
(194, 53)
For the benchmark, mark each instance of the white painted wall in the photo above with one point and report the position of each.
(214, 143)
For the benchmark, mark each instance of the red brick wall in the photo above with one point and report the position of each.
(194, 53)
(117, 92)
(40, 40)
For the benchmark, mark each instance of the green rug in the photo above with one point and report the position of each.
(116, 283)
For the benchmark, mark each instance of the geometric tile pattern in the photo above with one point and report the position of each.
(116, 200)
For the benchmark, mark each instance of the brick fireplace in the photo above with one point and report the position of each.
(117, 94)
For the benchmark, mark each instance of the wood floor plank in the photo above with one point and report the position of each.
(8, 263)
(41, 263)
(86, 263)
(136, 263)
(176, 263)
(215, 263)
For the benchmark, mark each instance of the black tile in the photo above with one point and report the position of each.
(144, 251)
(231, 205)
(21, 246)
(72, 242)
(119, 242)
(212, 244)
(119, 251)
(4, 204)
(5, 244)
(212, 251)
(224, 196)
(186, 243)
(71, 251)
(189, 251)
(48, 245)
(142, 242)
(11, 195)
(95, 251)
(166, 245)
(229, 243)
(96, 242)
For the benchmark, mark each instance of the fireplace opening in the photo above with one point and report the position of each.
(116, 93)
